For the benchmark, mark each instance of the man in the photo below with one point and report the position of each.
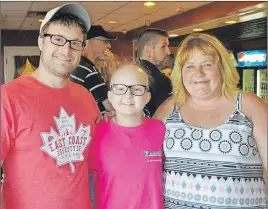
(152, 48)
(168, 62)
(168, 65)
(47, 121)
(86, 74)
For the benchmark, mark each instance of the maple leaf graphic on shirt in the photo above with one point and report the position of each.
(68, 145)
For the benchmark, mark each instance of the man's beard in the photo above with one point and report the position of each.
(159, 64)
(63, 75)
(49, 66)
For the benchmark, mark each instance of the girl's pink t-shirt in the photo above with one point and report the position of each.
(126, 163)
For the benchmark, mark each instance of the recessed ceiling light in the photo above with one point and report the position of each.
(197, 29)
(173, 35)
(180, 10)
(149, 4)
(147, 23)
(41, 20)
(230, 22)
(244, 13)
(124, 31)
(112, 22)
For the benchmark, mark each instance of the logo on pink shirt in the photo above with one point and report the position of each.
(68, 145)
(154, 156)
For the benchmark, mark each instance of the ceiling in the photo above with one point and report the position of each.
(128, 14)
(249, 13)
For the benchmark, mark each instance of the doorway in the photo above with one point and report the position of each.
(9, 62)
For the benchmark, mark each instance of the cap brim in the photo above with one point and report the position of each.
(109, 36)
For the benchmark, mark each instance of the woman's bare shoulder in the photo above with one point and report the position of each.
(164, 110)
(251, 102)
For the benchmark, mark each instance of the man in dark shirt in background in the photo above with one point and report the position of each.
(86, 74)
(152, 49)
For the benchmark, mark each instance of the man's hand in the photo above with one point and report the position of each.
(107, 105)
(105, 117)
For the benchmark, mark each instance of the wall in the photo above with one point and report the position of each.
(207, 12)
(123, 45)
(242, 36)
(16, 38)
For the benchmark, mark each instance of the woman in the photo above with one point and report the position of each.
(167, 71)
(216, 139)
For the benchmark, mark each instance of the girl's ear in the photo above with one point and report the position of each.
(148, 97)
(40, 43)
(109, 95)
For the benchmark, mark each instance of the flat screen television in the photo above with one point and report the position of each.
(252, 58)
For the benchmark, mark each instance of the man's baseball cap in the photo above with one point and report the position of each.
(97, 30)
(74, 9)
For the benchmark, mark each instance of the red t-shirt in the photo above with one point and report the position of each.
(45, 134)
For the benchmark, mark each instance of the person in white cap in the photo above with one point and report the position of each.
(47, 121)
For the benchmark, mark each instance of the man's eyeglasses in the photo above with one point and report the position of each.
(61, 41)
(121, 89)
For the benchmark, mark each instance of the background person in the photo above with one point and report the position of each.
(107, 65)
(152, 48)
(167, 71)
(86, 74)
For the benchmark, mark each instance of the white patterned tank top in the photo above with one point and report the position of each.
(215, 168)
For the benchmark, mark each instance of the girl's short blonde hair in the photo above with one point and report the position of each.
(211, 46)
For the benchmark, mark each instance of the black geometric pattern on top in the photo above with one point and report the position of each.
(235, 137)
(243, 149)
(215, 135)
(186, 144)
(205, 145)
(197, 134)
(170, 143)
(225, 147)
(179, 133)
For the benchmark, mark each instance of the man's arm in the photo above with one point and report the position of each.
(108, 106)
(1, 190)
(7, 126)
(98, 88)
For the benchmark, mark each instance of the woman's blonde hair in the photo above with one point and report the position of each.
(211, 46)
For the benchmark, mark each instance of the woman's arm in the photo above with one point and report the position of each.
(164, 110)
(256, 109)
